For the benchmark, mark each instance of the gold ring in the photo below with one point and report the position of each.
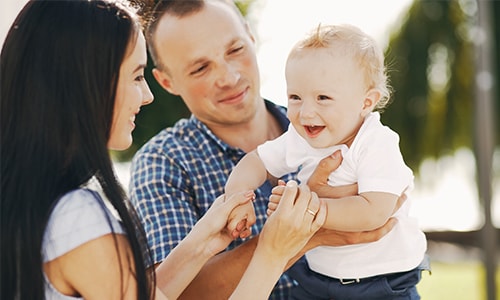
(311, 212)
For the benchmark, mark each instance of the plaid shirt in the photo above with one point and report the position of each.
(179, 173)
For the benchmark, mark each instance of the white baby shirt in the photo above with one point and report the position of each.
(375, 162)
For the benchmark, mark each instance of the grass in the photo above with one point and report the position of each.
(456, 281)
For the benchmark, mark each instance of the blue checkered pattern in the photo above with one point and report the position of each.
(179, 173)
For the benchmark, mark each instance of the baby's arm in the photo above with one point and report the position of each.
(247, 175)
(366, 211)
(326, 192)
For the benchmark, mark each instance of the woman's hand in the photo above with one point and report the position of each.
(207, 238)
(298, 215)
(213, 225)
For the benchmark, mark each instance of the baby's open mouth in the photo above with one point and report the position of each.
(313, 130)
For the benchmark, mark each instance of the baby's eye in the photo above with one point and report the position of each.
(293, 97)
(324, 97)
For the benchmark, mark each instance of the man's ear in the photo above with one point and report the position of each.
(164, 80)
(371, 99)
(249, 31)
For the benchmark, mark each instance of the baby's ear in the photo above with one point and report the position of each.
(371, 99)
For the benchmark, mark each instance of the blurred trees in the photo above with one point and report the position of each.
(431, 67)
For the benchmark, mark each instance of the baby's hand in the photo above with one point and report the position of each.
(242, 218)
(275, 197)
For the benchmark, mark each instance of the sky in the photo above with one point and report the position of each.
(279, 24)
(8, 12)
(446, 196)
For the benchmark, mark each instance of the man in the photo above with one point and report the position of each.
(204, 52)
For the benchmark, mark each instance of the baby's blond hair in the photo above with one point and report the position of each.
(352, 42)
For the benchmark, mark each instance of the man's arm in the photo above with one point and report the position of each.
(221, 274)
(328, 237)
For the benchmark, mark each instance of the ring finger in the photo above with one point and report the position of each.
(313, 206)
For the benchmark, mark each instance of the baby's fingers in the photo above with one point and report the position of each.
(279, 189)
(241, 225)
(246, 232)
(275, 197)
(271, 207)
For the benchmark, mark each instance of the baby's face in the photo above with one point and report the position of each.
(326, 96)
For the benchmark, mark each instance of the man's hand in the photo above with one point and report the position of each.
(318, 182)
(319, 179)
(326, 237)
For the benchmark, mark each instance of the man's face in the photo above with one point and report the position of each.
(210, 61)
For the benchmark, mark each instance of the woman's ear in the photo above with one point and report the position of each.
(371, 99)
(164, 80)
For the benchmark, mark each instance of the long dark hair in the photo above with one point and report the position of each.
(59, 71)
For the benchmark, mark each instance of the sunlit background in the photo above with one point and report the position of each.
(446, 194)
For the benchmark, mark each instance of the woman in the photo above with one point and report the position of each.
(72, 83)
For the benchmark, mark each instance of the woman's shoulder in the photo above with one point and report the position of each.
(82, 198)
(78, 217)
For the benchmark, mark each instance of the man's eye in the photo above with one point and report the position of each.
(139, 78)
(198, 70)
(236, 50)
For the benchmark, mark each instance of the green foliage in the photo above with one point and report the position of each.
(165, 110)
(432, 70)
(243, 5)
(457, 280)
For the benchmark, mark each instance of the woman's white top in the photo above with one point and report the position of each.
(78, 217)
(375, 163)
